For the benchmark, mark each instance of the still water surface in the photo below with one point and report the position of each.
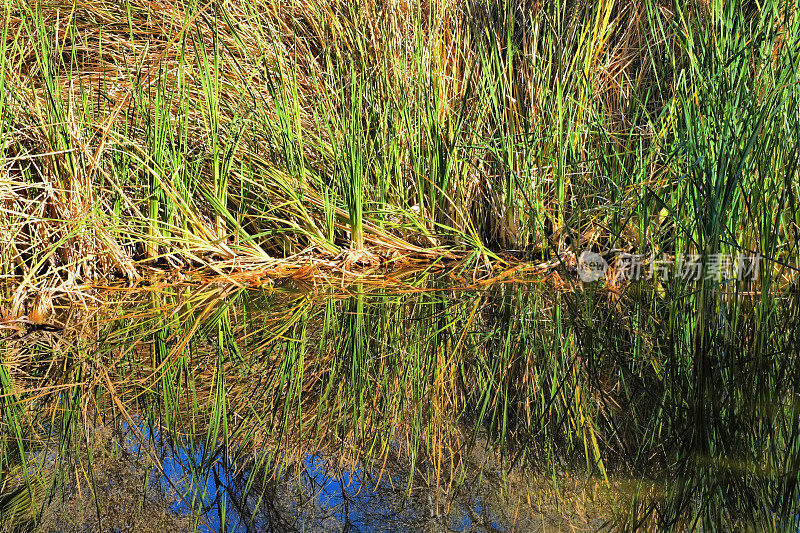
(410, 407)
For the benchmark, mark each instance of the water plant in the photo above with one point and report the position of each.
(209, 132)
(227, 143)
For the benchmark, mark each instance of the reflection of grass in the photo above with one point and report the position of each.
(127, 489)
(243, 133)
(690, 396)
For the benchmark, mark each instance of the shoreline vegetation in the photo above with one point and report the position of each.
(244, 136)
(235, 231)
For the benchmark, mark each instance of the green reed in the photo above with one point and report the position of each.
(199, 132)
(221, 133)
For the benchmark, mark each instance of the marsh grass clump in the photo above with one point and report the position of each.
(226, 135)
(232, 143)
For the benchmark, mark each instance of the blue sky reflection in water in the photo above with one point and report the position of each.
(325, 498)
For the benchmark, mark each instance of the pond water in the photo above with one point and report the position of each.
(411, 406)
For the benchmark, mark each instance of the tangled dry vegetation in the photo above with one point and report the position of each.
(231, 136)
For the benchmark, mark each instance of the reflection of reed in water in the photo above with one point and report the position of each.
(451, 382)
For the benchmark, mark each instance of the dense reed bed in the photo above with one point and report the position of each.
(232, 134)
(236, 141)
(683, 406)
